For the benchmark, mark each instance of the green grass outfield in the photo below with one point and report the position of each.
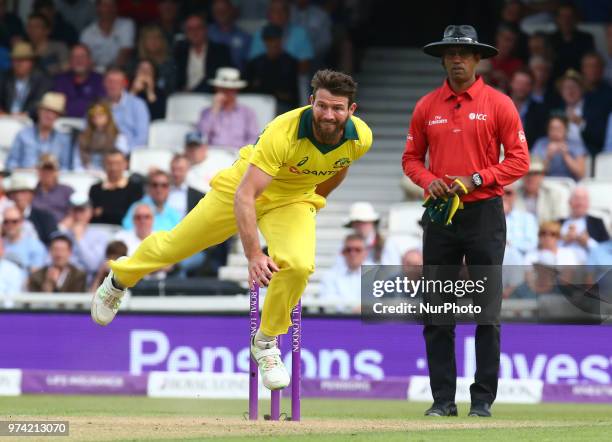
(145, 419)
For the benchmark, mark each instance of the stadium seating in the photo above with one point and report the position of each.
(143, 160)
(603, 165)
(404, 218)
(9, 127)
(68, 124)
(599, 193)
(187, 107)
(170, 135)
(80, 181)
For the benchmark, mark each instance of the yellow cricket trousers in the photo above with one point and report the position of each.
(289, 232)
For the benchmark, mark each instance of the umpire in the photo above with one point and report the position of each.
(462, 125)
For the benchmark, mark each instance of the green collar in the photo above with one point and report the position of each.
(305, 131)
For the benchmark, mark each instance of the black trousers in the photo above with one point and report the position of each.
(477, 237)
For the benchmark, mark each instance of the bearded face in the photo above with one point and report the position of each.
(329, 116)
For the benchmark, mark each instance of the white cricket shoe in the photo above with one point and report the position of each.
(274, 375)
(106, 301)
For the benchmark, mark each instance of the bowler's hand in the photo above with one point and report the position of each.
(261, 268)
(438, 188)
(456, 189)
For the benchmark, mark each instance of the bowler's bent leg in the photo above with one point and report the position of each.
(210, 222)
(290, 234)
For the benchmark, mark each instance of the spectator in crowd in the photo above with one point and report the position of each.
(49, 194)
(22, 194)
(130, 113)
(550, 246)
(12, 279)
(152, 46)
(561, 156)
(534, 115)
(505, 63)
(33, 141)
(511, 15)
(538, 46)
(89, 241)
(112, 197)
(318, 25)
(114, 250)
(110, 38)
(224, 31)
(275, 72)
(80, 84)
(25, 250)
(608, 62)
(597, 89)
(52, 55)
(158, 191)
(228, 123)
(79, 13)
(60, 29)
(141, 227)
(197, 58)
(60, 275)
(144, 86)
(295, 42)
(168, 11)
(568, 43)
(587, 118)
(543, 90)
(177, 199)
(364, 220)
(5, 201)
(536, 197)
(99, 137)
(601, 255)
(11, 28)
(22, 87)
(342, 284)
(204, 163)
(582, 232)
(521, 226)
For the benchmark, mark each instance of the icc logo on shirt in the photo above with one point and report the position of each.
(480, 117)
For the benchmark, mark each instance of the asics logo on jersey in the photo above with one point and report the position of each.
(302, 161)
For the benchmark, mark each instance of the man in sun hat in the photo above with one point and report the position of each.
(228, 123)
(461, 125)
(22, 87)
(33, 141)
(364, 220)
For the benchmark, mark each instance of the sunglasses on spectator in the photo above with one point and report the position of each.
(548, 233)
(11, 221)
(159, 184)
(353, 250)
(508, 192)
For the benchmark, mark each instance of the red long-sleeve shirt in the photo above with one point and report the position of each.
(463, 134)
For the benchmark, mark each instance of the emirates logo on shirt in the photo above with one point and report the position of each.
(437, 120)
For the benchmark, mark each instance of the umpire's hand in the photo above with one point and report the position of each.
(438, 188)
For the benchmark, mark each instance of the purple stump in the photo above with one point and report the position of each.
(296, 346)
(275, 396)
(253, 368)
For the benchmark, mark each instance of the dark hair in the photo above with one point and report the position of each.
(116, 248)
(523, 71)
(42, 18)
(337, 83)
(558, 116)
(60, 236)
(596, 55)
(116, 70)
(155, 173)
(114, 152)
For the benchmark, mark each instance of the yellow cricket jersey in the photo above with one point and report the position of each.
(288, 151)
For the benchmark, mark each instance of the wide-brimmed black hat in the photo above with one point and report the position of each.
(460, 35)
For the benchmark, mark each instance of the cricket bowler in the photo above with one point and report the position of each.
(278, 184)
